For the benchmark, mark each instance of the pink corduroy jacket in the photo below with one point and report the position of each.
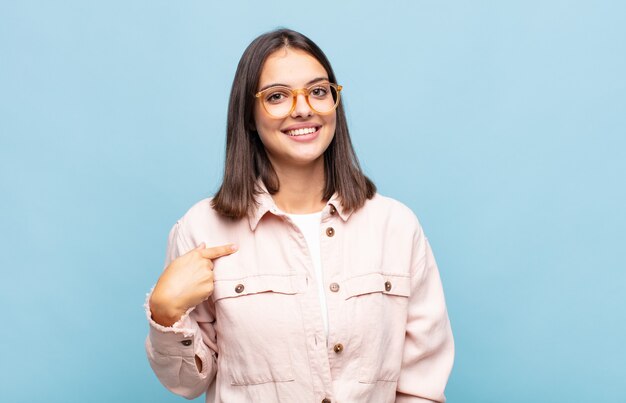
(261, 335)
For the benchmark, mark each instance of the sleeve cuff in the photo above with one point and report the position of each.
(179, 339)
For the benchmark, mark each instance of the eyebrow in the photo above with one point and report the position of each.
(285, 85)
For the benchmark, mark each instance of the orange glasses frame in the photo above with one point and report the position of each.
(295, 92)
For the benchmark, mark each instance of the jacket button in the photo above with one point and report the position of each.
(186, 342)
(338, 348)
(334, 287)
(387, 285)
(239, 288)
(333, 210)
(326, 400)
(330, 231)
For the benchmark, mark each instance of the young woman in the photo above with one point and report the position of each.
(297, 282)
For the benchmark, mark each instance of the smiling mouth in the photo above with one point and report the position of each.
(301, 132)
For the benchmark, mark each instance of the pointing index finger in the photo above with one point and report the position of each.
(218, 251)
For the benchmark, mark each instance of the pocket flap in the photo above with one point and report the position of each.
(386, 283)
(280, 283)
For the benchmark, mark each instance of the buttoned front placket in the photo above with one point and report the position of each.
(312, 310)
(330, 245)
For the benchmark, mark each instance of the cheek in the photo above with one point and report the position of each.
(267, 133)
(331, 123)
(264, 123)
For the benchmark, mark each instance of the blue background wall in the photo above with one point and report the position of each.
(501, 124)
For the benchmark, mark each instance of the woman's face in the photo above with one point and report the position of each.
(285, 146)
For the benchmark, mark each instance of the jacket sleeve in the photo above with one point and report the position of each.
(172, 350)
(429, 347)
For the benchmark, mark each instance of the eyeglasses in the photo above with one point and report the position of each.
(279, 101)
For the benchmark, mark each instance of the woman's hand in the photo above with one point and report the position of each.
(186, 282)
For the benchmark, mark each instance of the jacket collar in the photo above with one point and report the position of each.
(265, 204)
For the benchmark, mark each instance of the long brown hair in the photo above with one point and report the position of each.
(246, 158)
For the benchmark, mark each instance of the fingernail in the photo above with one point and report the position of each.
(234, 247)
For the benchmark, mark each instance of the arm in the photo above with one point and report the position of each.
(183, 356)
(429, 347)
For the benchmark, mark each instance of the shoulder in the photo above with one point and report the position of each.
(387, 216)
(201, 210)
(390, 209)
(201, 220)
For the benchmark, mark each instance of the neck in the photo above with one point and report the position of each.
(301, 188)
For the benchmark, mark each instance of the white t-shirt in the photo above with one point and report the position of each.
(309, 225)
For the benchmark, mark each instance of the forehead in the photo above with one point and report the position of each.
(292, 67)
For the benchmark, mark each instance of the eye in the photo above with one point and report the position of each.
(276, 96)
(319, 91)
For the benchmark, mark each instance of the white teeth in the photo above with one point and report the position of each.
(301, 132)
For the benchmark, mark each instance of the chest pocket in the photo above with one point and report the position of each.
(379, 303)
(257, 321)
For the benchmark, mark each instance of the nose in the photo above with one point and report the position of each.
(302, 108)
